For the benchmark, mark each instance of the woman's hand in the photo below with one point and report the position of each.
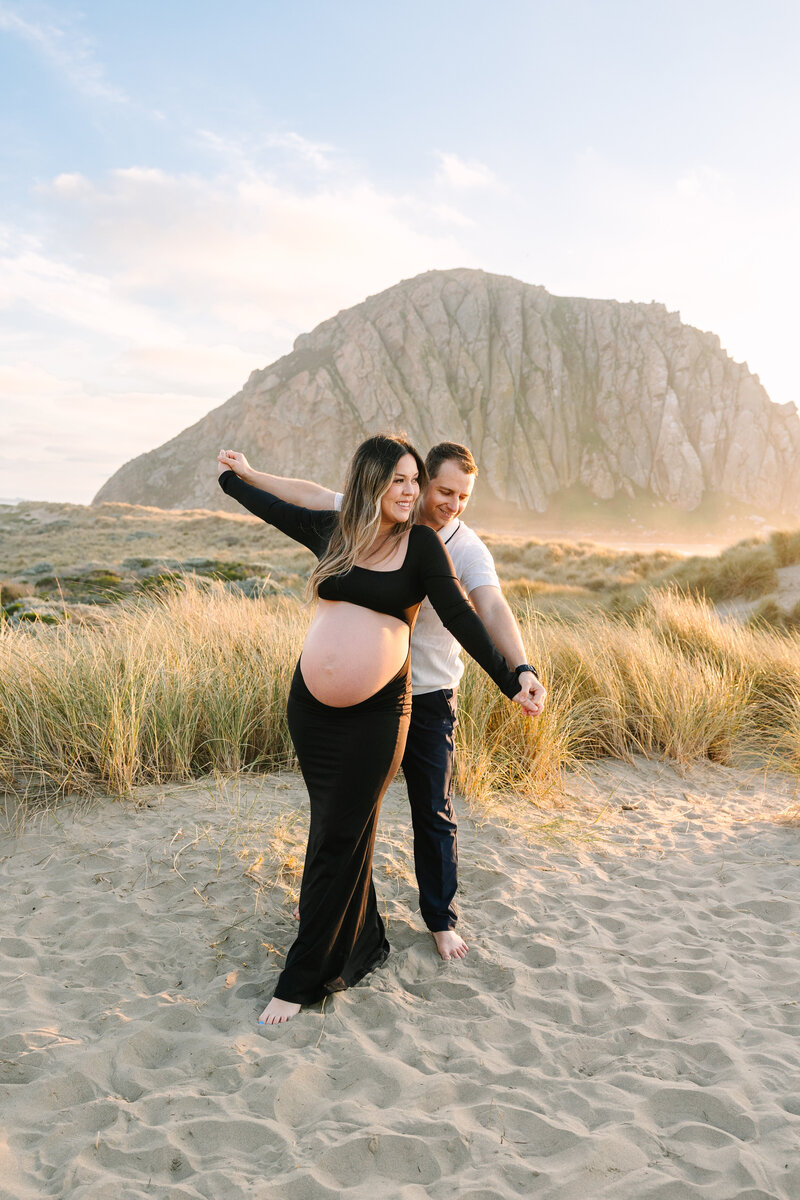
(232, 460)
(531, 696)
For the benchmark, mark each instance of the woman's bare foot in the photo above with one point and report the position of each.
(296, 913)
(278, 1011)
(450, 944)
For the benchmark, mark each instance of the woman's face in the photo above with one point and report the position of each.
(398, 502)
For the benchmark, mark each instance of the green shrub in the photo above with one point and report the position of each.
(162, 581)
(233, 572)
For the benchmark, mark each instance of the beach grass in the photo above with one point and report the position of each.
(193, 681)
(188, 682)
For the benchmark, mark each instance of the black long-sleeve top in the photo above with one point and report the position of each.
(427, 570)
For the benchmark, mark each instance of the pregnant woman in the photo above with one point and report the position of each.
(349, 701)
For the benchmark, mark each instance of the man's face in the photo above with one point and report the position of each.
(446, 496)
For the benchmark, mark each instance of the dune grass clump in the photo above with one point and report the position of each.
(576, 564)
(11, 592)
(786, 546)
(671, 680)
(190, 681)
(194, 681)
(768, 613)
(747, 570)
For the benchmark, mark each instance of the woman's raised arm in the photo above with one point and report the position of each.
(312, 528)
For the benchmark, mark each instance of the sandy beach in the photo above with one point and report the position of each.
(627, 1022)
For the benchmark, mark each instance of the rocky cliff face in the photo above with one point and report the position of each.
(549, 392)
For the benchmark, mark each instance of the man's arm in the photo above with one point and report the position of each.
(493, 610)
(293, 491)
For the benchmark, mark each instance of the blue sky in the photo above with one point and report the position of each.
(187, 186)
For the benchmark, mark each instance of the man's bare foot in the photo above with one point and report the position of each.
(296, 913)
(450, 944)
(278, 1011)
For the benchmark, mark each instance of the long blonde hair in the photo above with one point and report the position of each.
(369, 478)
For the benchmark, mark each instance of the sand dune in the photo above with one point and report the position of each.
(627, 1022)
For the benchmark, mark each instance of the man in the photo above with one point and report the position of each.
(436, 669)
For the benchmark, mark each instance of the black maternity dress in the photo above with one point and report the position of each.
(348, 756)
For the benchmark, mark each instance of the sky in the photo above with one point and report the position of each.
(186, 185)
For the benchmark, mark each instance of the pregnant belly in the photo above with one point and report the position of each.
(351, 652)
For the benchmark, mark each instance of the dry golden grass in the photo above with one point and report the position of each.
(65, 534)
(748, 570)
(194, 681)
(581, 564)
(175, 687)
(673, 680)
(89, 557)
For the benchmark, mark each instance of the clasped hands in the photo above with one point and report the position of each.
(233, 460)
(531, 695)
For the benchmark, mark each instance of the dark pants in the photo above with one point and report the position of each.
(348, 757)
(428, 771)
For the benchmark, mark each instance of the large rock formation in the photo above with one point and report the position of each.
(549, 392)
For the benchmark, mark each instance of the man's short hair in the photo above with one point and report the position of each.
(450, 451)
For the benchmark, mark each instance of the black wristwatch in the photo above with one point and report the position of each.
(525, 667)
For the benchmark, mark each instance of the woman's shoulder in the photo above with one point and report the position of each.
(423, 535)
(427, 543)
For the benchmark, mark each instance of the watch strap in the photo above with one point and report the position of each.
(525, 667)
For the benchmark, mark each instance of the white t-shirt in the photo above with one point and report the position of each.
(435, 654)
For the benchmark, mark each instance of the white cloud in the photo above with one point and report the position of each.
(68, 443)
(245, 154)
(216, 371)
(69, 183)
(316, 153)
(247, 252)
(459, 173)
(20, 381)
(46, 285)
(70, 53)
(152, 296)
(451, 216)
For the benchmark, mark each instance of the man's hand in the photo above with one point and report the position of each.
(532, 694)
(232, 460)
